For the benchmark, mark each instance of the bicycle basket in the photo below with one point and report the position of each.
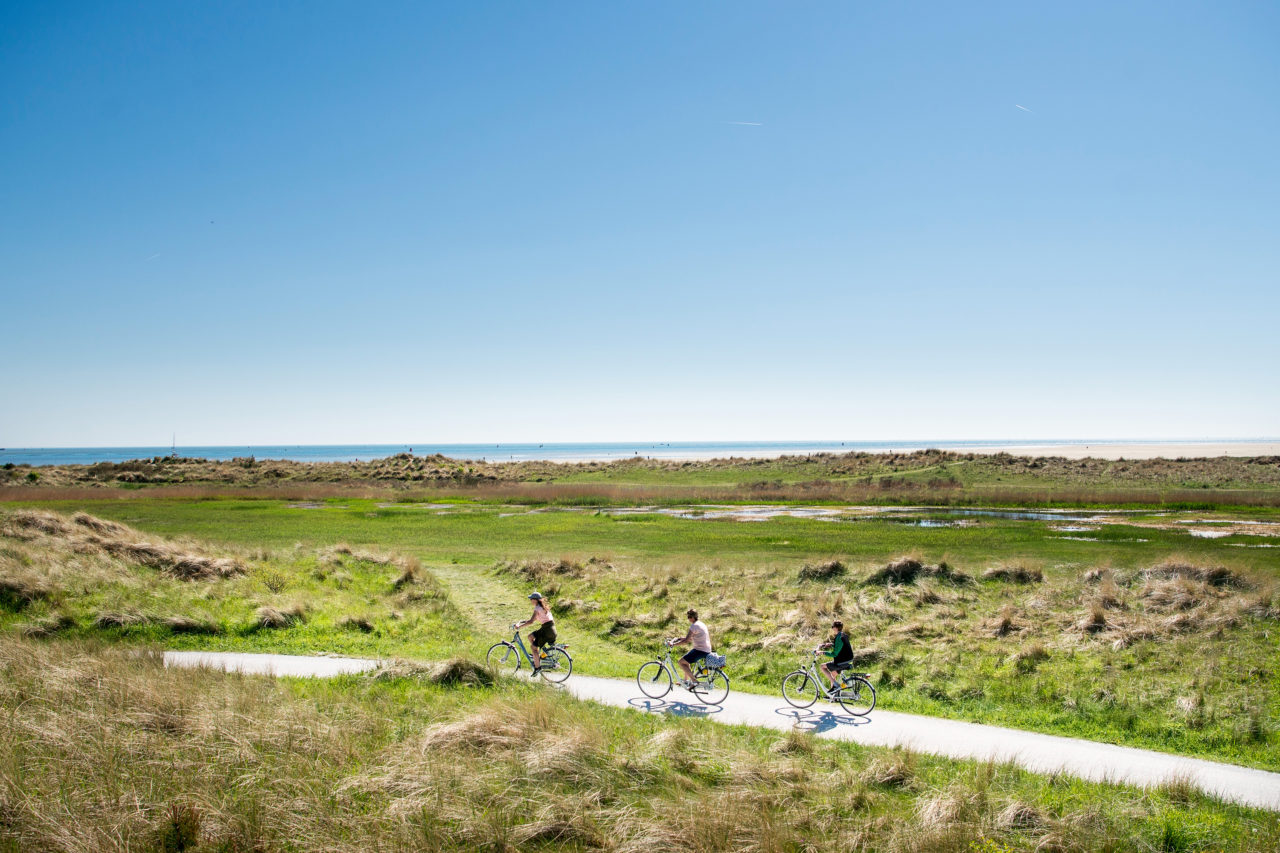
(714, 661)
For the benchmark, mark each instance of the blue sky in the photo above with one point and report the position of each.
(312, 222)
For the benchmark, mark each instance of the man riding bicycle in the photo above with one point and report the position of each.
(545, 634)
(700, 639)
(840, 651)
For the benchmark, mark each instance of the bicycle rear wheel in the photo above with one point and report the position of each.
(556, 664)
(858, 698)
(654, 680)
(503, 657)
(799, 690)
(714, 690)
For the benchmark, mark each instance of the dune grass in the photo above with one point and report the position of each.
(80, 575)
(925, 477)
(105, 750)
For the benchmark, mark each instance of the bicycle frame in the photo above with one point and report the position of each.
(699, 669)
(819, 677)
(518, 642)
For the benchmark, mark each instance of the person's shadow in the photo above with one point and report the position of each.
(809, 720)
(674, 708)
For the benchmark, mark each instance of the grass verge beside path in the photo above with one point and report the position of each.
(104, 749)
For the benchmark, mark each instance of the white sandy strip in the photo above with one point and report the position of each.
(1038, 753)
(1137, 450)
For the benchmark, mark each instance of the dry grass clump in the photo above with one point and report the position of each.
(362, 624)
(86, 534)
(1109, 594)
(1096, 575)
(1020, 817)
(907, 570)
(895, 770)
(336, 553)
(822, 571)
(1094, 620)
(187, 625)
(1129, 635)
(453, 672)
(124, 619)
(1218, 576)
(1028, 658)
(1004, 625)
(47, 626)
(1263, 604)
(864, 656)
(31, 523)
(22, 588)
(408, 575)
(1013, 574)
(541, 571)
(273, 618)
(1176, 594)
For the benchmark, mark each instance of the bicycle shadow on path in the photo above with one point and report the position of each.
(673, 708)
(816, 722)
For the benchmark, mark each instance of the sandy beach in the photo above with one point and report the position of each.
(1135, 450)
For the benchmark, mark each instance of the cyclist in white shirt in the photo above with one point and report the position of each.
(698, 637)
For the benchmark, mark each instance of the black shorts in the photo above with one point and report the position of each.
(545, 636)
(693, 656)
(840, 666)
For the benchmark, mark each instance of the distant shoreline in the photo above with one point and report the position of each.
(569, 452)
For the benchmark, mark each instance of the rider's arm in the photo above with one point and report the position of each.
(834, 647)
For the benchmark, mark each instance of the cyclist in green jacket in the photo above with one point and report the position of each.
(840, 652)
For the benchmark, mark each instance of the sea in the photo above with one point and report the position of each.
(554, 452)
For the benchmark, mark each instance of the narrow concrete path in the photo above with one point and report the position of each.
(1038, 753)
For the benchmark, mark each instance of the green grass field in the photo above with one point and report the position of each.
(1110, 643)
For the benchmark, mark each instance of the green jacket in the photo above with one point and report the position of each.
(838, 645)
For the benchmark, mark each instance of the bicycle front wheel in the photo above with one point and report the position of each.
(654, 680)
(799, 690)
(858, 698)
(556, 665)
(504, 658)
(714, 690)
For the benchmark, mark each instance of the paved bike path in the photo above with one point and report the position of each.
(1039, 753)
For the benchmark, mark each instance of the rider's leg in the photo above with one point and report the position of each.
(685, 668)
(827, 670)
(533, 651)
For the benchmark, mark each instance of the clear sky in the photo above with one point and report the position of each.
(493, 221)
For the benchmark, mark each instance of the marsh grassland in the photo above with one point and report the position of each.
(1152, 627)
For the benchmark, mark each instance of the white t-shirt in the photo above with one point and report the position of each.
(699, 637)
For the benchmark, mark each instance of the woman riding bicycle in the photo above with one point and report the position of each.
(700, 639)
(545, 634)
